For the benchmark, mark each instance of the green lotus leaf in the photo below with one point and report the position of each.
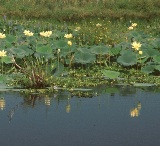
(84, 58)
(143, 84)
(27, 50)
(7, 59)
(148, 69)
(147, 46)
(58, 68)
(152, 52)
(99, 50)
(127, 58)
(8, 44)
(44, 49)
(124, 45)
(142, 59)
(2, 79)
(65, 51)
(61, 44)
(10, 38)
(157, 67)
(111, 74)
(83, 50)
(18, 52)
(156, 58)
(82, 89)
(156, 43)
(115, 50)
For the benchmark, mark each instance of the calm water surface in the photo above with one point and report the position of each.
(117, 117)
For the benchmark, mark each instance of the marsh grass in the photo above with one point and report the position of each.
(80, 9)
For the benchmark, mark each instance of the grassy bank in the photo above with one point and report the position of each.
(80, 9)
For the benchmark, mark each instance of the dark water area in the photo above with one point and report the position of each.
(117, 117)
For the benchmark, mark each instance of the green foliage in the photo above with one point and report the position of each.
(42, 61)
(111, 74)
(78, 9)
(127, 58)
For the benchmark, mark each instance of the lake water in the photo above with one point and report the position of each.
(117, 117)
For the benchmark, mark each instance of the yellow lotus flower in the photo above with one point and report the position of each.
(3, 53)
(2, 36)
(134, 24)
(98, 25)
(28, 33)
(68, 36)
(136, 45)
(140, 52)
(130, 28)
(69, 43)
(46, 33)
(42, 33)
(77, 28)
(59, 50)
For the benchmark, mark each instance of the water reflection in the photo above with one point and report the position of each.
(135, 112)
(2, 103)
(68, 106)
(33, 100)
(47, 100)
(99, 120)
(12, 112)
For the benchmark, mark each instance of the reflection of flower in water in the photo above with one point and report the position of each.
(68, 108)
(47, 101)
(135, 112)
(2, 104)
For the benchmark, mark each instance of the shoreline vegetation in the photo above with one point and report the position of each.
(75, 10)
(47, 45)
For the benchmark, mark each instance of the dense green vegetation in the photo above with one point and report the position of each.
(80, 9)
(100, 42)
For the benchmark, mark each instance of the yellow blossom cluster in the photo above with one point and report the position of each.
(2, 53)
(46, 33)
(2, 36)
(132, 26)
(98, 25)
(68, 36)
(28, 33)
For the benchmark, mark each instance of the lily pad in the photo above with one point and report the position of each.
(84, 57)
(127, 58)
(82, 89)
(143, 84)
(44, 50)
(156, 58)
(7, 59)
(157, 67)
(148, 69)
(111, 74)
(99, 50)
